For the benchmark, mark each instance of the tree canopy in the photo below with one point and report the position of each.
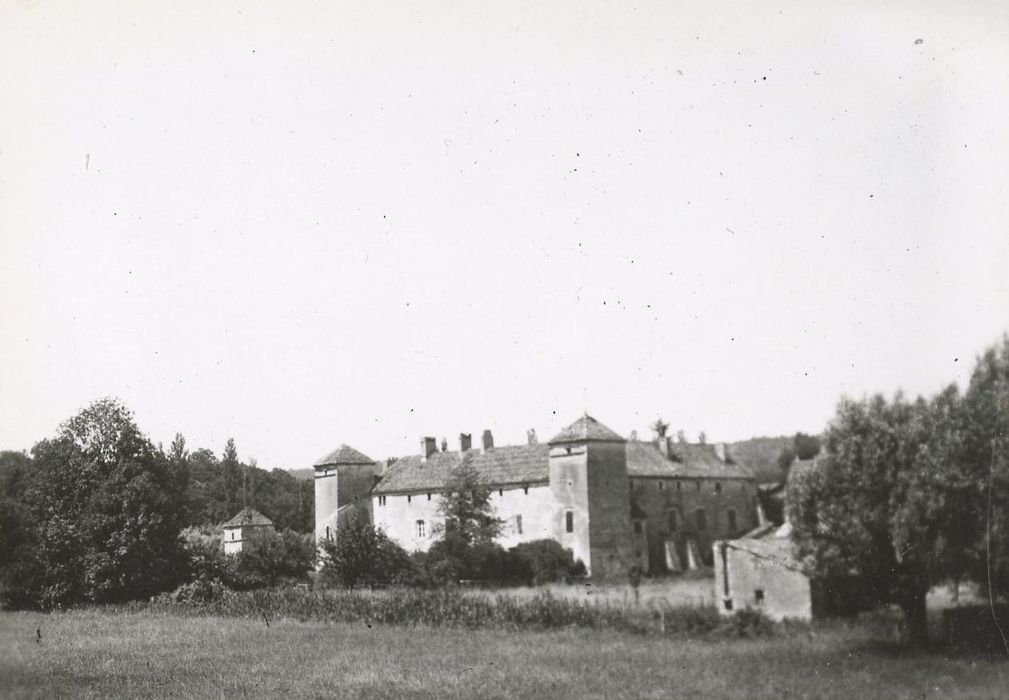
(105, 509)
(911, 494)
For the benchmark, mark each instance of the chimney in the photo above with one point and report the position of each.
(488, 441)
(531, 436)
(720, 451)
(465, 442)
(428, 446)
(664, 446)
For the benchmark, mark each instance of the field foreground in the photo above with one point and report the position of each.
(116, 652)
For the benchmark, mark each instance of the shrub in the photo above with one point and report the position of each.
(545, 561)
(362, 555)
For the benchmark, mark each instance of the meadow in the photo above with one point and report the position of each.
(151, 652)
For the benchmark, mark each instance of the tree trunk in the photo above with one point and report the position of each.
(916, 617)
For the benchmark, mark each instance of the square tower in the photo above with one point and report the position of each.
(588, 478)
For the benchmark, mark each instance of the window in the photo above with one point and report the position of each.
(758, 596)
(679, 486)
(637, 527)
(702, 519)
(569, 521)
(381, 500)
(728, 603)
(662, 485)
(698, 485)
(732, 520)
(500, 492)
(327, 532)
(718, 487)
(420, 529)
(525, 490)
(409, 498)
(429, 495)
(518, 524)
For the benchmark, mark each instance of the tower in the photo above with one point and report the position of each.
(343, 482)
(588, 478)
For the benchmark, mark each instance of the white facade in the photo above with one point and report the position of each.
(413, 521)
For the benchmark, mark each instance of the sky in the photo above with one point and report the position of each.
(301, 224)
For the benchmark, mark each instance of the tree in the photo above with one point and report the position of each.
(108, 509)
(660, 427)
(362, 554)
(466, 507)
(983, 455)
(802, 447)
(881, 505)
(231, 477)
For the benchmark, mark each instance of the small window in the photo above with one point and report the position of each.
(732, 520)
(758, 596)
(525, 490)
(718, 487)
(500, 492)
(518, 524)
(327, 533)
(409, 499)
(421, 530)
(637, 527)
(674, 520)
(429, 496)
(728, 604)
(569, 521)
(662, 485)
(679, 486)
(702, 519)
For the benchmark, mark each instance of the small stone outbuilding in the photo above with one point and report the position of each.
(247, 526)
(761, 572)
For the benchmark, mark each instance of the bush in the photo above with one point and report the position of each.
(262, 563)
(363, 555)
(545, 561)
(455, 609)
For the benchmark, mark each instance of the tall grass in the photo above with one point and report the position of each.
(454, 609)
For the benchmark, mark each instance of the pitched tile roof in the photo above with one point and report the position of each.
(248, 516)
(528, 464)
(585, 429)
(686, 461)
(499, 466)
(344, 454)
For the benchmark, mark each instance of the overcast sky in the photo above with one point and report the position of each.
(303, 224)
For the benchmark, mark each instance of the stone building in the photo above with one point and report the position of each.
(761, 571)
(247, 526)
(615, 503)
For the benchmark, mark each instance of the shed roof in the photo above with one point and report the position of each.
(248, 516)
(344, 454)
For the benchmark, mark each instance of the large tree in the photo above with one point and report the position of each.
(983, 456)
(107, 509)
(885, 503)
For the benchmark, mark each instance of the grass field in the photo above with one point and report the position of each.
(118, 652)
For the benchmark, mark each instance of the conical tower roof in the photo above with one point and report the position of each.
(586, 429)
(344, 454)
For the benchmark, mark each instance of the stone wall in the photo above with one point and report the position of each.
(763, 582)
(397, 516)
(659, 498)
